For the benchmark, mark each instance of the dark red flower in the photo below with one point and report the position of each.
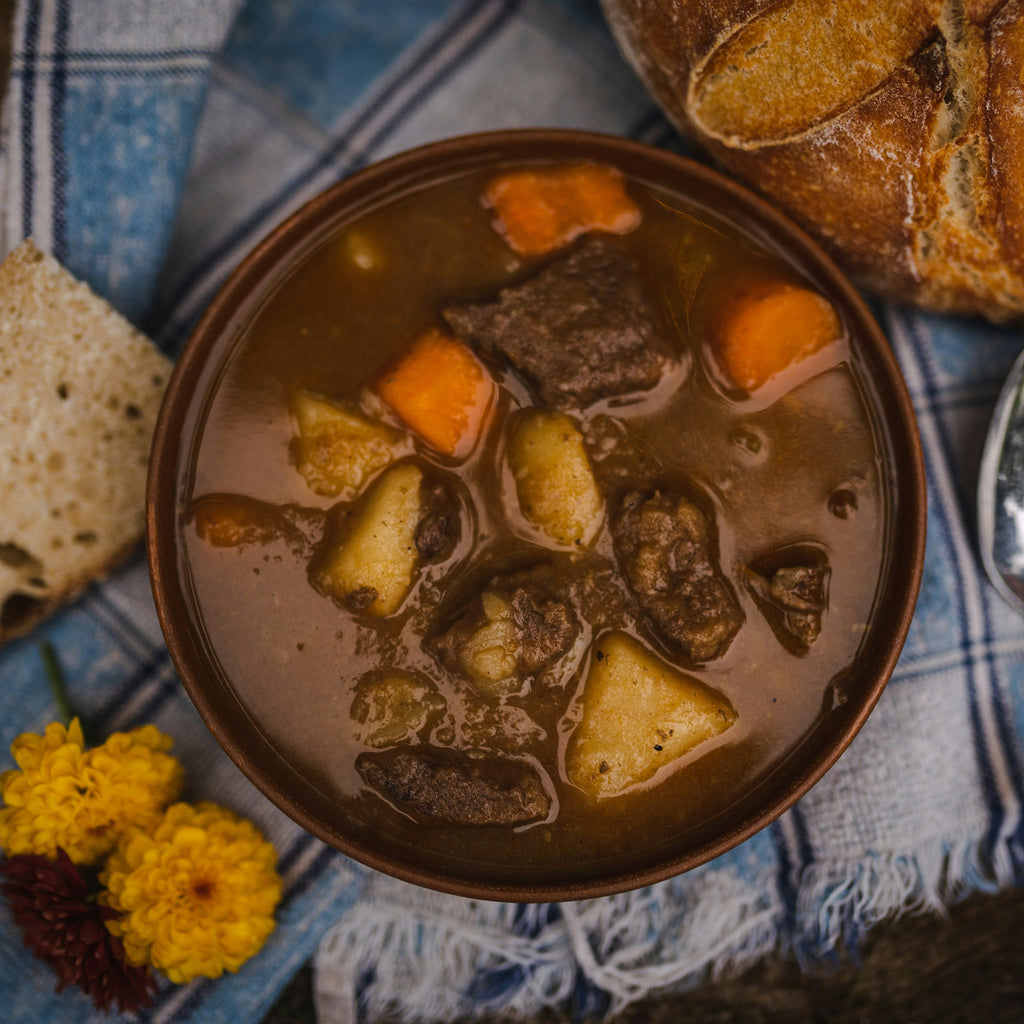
(63, 925)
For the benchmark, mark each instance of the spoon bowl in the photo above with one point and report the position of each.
(1001, 492)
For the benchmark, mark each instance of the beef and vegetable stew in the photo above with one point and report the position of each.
(536, 516)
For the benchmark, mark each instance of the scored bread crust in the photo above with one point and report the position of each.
(892, 130)
(79, 393)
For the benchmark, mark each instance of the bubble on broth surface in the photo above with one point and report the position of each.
(842, 503)
(750, 442)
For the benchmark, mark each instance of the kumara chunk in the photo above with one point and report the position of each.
(337, 448)
(542, 209)
(639, 715)
(237, 521)
(233, 521)
(507, 636)
(554, 482)
(391, 705)
(371, 565)
(666, 551)
(764, 325)
(437, 786)
(440, 390)
(580, 330)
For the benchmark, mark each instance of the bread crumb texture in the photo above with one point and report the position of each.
(79, 393)
(892, 130)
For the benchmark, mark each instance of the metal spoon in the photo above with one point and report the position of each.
(1001, 492)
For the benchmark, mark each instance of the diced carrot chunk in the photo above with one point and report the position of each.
(540, 210)
(441, 391)
(769, 325)
(230, 522)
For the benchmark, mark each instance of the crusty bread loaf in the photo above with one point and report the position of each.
(893, 130)
(79, 393)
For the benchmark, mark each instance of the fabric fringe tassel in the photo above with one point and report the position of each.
(837, 903)
(419, 956)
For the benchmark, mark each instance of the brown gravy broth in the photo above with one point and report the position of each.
(773, 472)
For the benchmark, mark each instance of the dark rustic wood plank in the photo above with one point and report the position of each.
(965, 968)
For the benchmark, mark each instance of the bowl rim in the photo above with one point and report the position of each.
(295, 236)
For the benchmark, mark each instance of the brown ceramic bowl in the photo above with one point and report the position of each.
(248, 731)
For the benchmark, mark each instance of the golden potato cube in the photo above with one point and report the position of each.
(391, 705)
(556, 488)
(639, 714)
(373, 566)
(490, 655)
(338, 449)
(362, 250)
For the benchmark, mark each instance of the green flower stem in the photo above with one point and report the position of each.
(58, 688)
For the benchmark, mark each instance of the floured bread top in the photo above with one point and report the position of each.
(800, 63)
(893, 132)
(79, 394)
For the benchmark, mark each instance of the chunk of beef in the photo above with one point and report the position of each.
(546, 626)
(435, 786)
(514, 630)
(580, 330)
(793, 599)
(664, 545)
(620, 460)
(482, 723)
(439, 528)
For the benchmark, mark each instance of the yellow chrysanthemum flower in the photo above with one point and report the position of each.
(196, 895)
(82, 800)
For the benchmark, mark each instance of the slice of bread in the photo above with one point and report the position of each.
(892, 131)
(79, 393)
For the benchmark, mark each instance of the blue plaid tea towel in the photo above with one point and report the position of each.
(148, 145)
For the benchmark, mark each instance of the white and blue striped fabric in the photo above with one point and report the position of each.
(148, 144)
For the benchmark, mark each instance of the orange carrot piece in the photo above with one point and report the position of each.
(543, 209)
(441, 391)
(769, 325)
(230, 522)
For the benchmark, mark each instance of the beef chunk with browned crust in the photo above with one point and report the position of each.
(513, 630)
(580, 330)
(793, 599)
(664, 544)
(439, 786)
(439, 528)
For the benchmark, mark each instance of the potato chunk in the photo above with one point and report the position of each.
(639, 715)
(372, 567)
(338, 449)
(554, 482)
(508, 637)
(488, 656)
(391, 705)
